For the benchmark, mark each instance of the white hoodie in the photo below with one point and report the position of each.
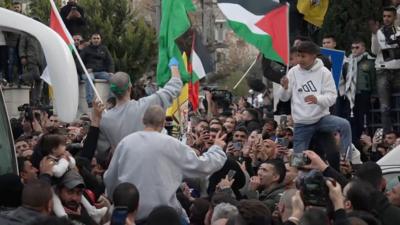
(317, 81)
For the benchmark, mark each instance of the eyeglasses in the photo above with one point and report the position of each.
(355, 47)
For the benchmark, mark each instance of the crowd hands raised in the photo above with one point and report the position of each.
(231, 168)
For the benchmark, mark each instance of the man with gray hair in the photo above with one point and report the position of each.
(222, 212)
(126, 117)
(157, 163)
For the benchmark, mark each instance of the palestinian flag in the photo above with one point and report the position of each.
(57, 24)
(201, 64)
(175, 22)
(262, 23)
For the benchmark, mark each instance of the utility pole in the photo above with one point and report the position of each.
(208, 22)
(158, 15)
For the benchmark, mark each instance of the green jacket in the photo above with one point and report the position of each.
(270, 198)
(366, 74)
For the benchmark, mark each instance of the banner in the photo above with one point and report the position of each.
(337, 58)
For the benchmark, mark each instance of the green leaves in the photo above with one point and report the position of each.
(131, 41)
(349, 19)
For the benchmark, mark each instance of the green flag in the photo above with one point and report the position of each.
(174, 23)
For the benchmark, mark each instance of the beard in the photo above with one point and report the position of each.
(72, 205)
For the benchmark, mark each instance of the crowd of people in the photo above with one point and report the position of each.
(232, 165)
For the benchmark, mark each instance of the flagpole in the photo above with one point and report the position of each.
(75, 50)
(245, 74)
(288, 37)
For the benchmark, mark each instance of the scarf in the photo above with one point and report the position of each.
(348, 86)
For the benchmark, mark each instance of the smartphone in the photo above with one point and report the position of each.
(237, 146)
(231, 174)
(299, 160)
(282, 142)
(119, 215)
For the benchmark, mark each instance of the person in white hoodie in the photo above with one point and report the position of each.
(312, 91)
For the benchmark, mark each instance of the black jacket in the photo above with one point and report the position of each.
(20, 216)
(97, 58)
(387, 213)
(75, 25)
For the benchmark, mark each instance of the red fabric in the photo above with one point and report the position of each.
(55, 24)
(276, 23)
(194, 94)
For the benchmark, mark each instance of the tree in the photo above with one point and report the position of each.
(349, 19)
(5, 4)
(131, 41)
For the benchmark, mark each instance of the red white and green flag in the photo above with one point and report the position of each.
(262, 23)
(57, 24)
(200, 65)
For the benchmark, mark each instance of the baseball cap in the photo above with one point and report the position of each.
(72, 179)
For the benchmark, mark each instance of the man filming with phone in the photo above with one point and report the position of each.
(73, 17)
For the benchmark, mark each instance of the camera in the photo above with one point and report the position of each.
(27, 110)
(222, 98)
(169, 125)
(391, 38)
(299, 160)
(313, 189)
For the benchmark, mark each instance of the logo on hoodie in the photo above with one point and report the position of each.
(308, 87)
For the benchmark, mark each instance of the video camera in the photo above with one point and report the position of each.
(28, 110)
(313, 189)
(222, 98)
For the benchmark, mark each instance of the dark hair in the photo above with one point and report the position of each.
(390, 9)
(52, 220)
(308, 47)
(95, 33)
(163, 215)
(127, 195)
(361, 195)
(36, 194)
(48, 142)
(329, 36)
(241, 129)
(254, 212)
(358, 41)
(271, 122)
(392, 132)
(254, 113)
(279, 167)
(369, 218)
(10, 190)
(371, 173)
(44, 147)
(215, 118)
(199, 210)
(302, 38)
(293, 50)
(22, 138)
(21, 163)
(314, 216)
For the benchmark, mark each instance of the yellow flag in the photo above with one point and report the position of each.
(313, 10)
(180, 105)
